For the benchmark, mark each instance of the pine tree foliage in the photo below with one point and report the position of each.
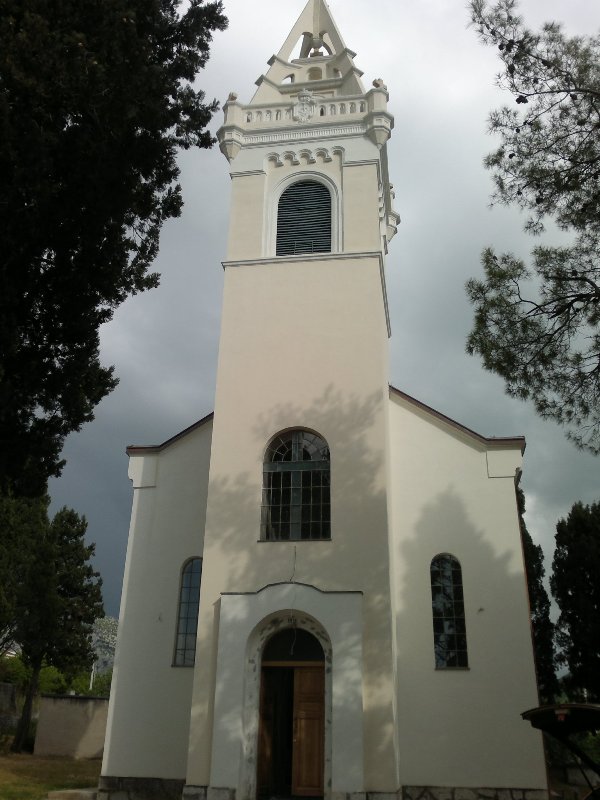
(544, 339)
(576, 589)
(539, 605)
(96, 97)
(56, 605)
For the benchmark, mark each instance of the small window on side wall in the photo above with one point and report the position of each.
(187, 616)
(449, 629)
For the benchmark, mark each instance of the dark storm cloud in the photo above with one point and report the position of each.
(164, 343)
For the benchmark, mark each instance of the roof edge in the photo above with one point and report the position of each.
(151, 449)
(488, 441)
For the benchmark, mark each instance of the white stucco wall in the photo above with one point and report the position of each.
(303, 344)
(460, 727)
(148, 719)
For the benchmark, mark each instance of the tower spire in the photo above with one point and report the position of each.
(317, 28)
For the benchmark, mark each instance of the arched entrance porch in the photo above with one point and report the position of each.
(247, 621)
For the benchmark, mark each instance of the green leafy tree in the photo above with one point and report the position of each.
(12, 670)
(96, 97)
(576, 589)
(544, 339)
(53, 680)
(539, 605)
(58, 602)
(102, 684)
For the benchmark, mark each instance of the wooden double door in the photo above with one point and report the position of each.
(291, 730)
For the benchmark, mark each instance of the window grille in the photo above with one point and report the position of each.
(187, 618)
(304, 219)
(296, 501)
(449, 629)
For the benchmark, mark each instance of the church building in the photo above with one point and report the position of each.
(324, 590)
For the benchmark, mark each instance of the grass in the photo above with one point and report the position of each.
(27, 777)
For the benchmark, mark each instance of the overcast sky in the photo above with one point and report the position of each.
(164, 342)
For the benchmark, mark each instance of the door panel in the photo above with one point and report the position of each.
(308, 744)
(274, 768)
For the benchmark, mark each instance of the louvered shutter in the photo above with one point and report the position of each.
(304, 219)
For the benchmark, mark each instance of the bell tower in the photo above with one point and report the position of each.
(310, 117)
(303, 352)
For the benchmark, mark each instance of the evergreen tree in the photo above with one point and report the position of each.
(539, 604)
(95, 99)
(21, 520)
(56, 606)
(576, 589)
(545, 342)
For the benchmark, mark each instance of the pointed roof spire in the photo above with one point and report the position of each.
(333, 70)
(316, 27)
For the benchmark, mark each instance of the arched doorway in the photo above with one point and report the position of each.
(291, 724)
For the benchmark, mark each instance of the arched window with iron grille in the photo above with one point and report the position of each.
(187, 615)
(296, 488)
(449, 629)
(304, 219)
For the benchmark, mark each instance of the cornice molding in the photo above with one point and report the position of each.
(247, 173)
(303, 257)
(302, 133)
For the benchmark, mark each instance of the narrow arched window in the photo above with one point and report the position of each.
(187, 617)
(304, 219)
(296, 493)
(449, 630)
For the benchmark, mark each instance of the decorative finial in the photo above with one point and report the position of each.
(232, 97)
(379, 84)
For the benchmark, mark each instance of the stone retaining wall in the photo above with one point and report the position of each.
(71, 726)
(113, 788)
(456, 793)
(156, 789)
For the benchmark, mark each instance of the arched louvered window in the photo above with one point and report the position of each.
(304, 219)
(187, 617)
(449, 630)
(296, 496)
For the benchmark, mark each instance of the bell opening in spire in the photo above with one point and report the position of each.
(316, 30)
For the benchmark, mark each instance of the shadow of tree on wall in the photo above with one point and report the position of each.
(356, 558)
(432, 710)
(463, 712)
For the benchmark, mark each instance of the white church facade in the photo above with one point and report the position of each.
(324, 589)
